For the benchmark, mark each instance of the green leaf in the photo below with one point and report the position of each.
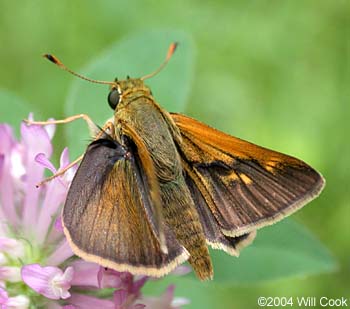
(135, 56)
(286, 249)
(283, 250)
(14, 109)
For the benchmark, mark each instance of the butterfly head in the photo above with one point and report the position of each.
(127, 88)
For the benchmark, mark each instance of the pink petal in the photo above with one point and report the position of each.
(61, 253)
(2, 168)
(4, 229)
(138, 284)
(64, 160)
(7, 138)
(48, 281)
(7, 145)
(50, 129)
(169, 294)
(85, 273)
(109, 278)
(3, 296)
(34, 140)
(11, 246)
(165, 301)
(120, 297)
(42, 159)
(55, 195)
(18, 302)
(30, 116)
(3, 259)
(178, 302)
(17, 169)
(56, 233)
(181, 270)
(2, 162)
(58, 224)
(88, 302)
(45, 162)
(10, 273)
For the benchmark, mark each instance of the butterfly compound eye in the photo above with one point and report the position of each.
(113, 98)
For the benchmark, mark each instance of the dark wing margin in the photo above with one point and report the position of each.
(244, 186)
(106, 214)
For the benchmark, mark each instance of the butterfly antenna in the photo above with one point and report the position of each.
(56, 61)
(171, 51)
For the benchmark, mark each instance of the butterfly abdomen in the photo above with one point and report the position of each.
(180, 214)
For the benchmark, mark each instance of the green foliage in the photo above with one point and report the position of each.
(273, 72)
(14, 109)
(283, 250)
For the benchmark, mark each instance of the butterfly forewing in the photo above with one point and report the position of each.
(244, 186)
(106, 214)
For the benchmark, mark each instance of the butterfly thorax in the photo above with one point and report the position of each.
(153, 128)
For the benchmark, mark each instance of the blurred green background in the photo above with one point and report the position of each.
(272, 72)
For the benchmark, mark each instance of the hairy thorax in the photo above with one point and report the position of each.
(153, 128)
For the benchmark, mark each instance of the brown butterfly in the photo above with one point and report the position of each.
(155, 189)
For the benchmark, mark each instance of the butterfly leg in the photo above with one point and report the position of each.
(92, 126)
(60, 172)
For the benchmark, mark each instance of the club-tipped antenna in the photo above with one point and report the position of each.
(56, 61)
(171, 51)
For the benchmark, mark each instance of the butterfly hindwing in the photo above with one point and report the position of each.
(244, 186)
(211, 228)
(106, 214)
